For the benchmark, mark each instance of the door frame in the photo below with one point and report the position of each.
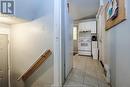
(59, 46)
(57, 43)
(6, 31)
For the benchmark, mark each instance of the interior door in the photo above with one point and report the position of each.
(3, 60)
(68, 47)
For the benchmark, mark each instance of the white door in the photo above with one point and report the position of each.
(3, 60)
(68, 47)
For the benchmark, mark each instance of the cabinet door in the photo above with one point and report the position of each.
(93, 27)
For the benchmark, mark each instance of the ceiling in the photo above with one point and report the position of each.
(83, 9)
(7, 19)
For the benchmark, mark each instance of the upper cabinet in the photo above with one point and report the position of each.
(88, 26)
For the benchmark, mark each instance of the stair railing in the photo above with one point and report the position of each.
(35, 65)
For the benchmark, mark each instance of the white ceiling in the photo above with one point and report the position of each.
(83, 9)
(7, 19)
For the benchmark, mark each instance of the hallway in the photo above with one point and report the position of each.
(86, 73)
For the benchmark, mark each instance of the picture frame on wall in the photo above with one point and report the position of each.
(115, 13)
(112, 11)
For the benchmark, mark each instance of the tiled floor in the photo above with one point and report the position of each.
(86, 73)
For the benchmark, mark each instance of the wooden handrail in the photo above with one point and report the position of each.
(35, 65)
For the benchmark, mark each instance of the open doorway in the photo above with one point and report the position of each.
(87, 70)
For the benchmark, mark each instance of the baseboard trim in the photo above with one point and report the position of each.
(102, 64)
(106, 69)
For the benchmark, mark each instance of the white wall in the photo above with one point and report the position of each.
(68, 46)
(32, 9)
(102, 34)
(28, 42)
(118, 52)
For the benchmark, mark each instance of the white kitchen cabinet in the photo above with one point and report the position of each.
(88, 26)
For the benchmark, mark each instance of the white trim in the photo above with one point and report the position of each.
(108, 75)
(126, 8)
(57, 44)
